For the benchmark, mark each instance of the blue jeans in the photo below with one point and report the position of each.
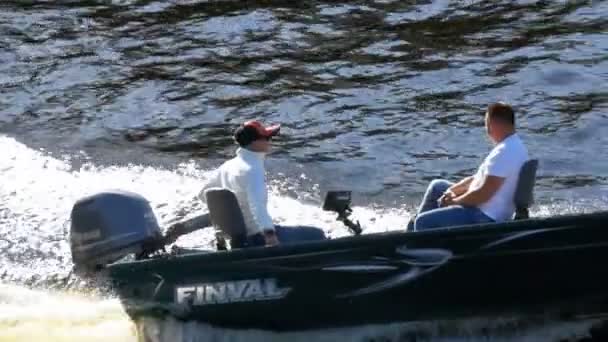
(289, 235)
(430, 215)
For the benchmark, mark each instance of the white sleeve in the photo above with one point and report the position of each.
(502, 163)
(214, 181)
(257, 201)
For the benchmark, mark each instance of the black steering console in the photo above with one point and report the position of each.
(339, 202)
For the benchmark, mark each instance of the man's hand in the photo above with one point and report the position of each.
(446, 199)
(461, 187)
(271, 238)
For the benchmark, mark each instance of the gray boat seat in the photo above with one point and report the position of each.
(524, 193)
(226, 217)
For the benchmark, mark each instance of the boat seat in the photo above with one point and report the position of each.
(226, 217)
(524, 193)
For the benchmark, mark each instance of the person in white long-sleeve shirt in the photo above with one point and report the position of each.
(244, 175)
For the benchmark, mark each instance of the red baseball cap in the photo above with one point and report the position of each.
(261, 130)
(251, 131)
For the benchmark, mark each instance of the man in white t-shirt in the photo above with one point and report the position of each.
(487, 196)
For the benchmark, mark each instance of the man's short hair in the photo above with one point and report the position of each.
(502, 112)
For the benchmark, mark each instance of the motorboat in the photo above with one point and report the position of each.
(528, 266)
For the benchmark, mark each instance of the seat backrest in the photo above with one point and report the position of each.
(524, 193)
(226, 215)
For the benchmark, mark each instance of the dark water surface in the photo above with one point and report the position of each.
(380, 96)
(374, 96)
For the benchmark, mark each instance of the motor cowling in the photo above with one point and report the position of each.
(110, 225)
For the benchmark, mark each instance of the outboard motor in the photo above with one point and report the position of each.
(110, 225)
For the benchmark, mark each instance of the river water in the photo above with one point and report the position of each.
(378, 97)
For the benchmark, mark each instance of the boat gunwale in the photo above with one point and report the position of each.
(575, 221)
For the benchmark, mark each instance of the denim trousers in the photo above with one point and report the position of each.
(430, 215)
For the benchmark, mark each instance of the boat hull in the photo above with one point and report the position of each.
(550, 266)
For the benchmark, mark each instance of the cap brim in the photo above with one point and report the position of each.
(272, 130)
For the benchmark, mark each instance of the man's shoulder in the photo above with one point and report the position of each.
(517, 146)
(509, 154)
(513, 144)
(236, 167)
(232, 162)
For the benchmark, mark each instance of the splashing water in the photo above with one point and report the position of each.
(36, 198)
(39, 190)
(33, 315)
(27, 315)
(507, 329)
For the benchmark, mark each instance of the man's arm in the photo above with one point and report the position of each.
(454, 191)
(462, 186)
(256, 200)
(499, 165)
(482, 194)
